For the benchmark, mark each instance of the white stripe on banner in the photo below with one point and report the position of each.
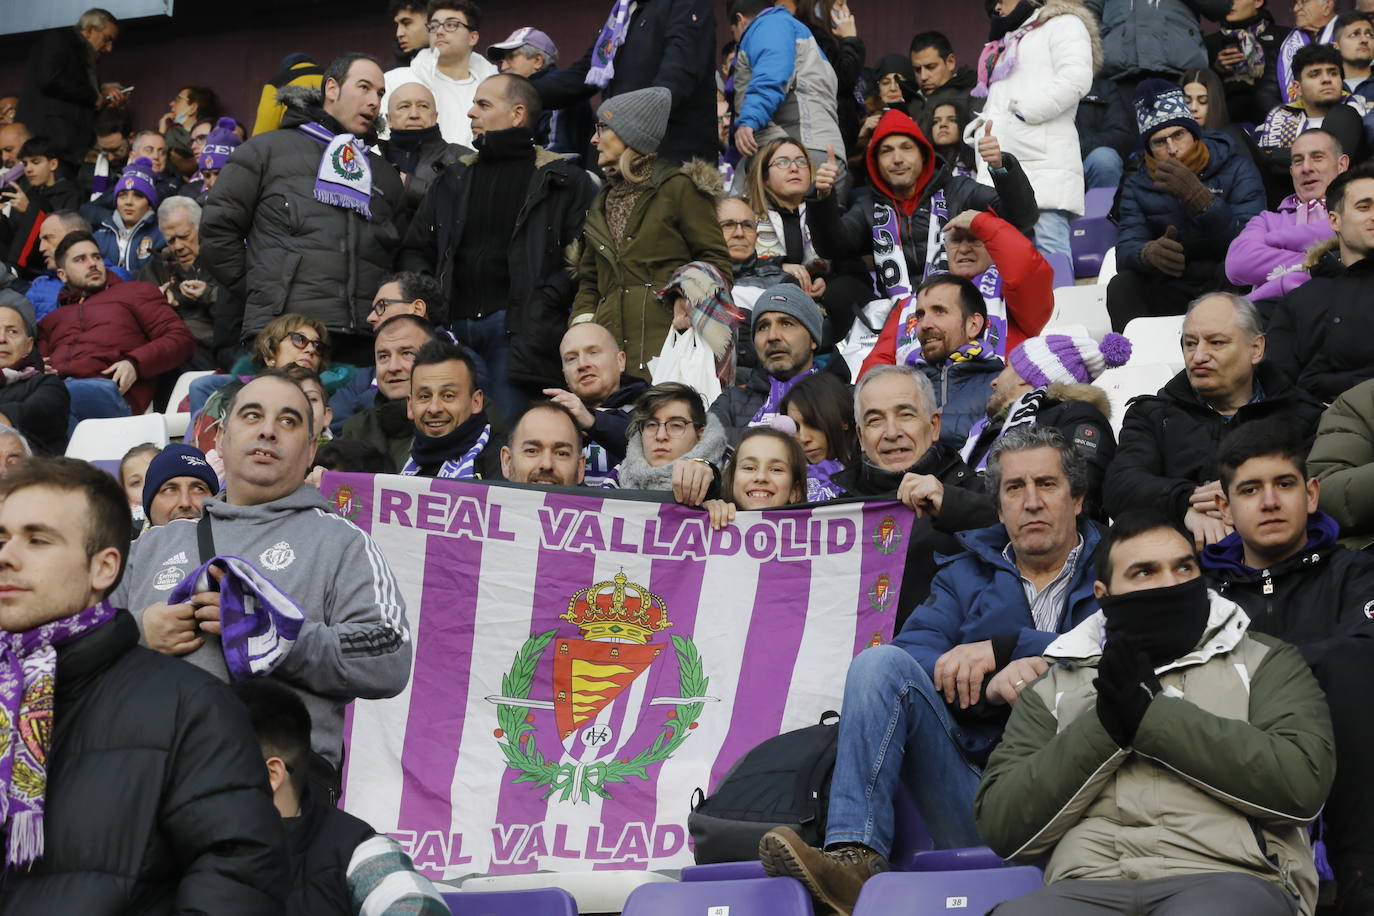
(469, 768)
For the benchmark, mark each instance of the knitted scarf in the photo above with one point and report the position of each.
(713, 313)
(612, 36)
(1247, 35)
(777, 390)
(1195, 159)
(1021, 412)
(999, 56)
(974, 349)
(258, 622)
(426, 451)
(28, 683)
(819, 485)
(344, 178)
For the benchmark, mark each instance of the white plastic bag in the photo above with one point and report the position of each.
(686, 358)
(863, 334)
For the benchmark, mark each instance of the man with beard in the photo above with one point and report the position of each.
(385, 423)
(177, 481)
(303, 218)
(544, 447)
(1170, 758)
(1048, 381)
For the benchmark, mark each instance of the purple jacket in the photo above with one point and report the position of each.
(1269, 251)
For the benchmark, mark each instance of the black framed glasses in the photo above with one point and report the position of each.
(730, 225)
(381, 305)
(448, 25)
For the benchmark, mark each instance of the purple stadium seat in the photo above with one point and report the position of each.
(1091, 238)
(774, 896)
(909, 834)
(1063, 268)
(929, 893)
(723, 871)
(542, 901)
(954, 859)
(1098, 202)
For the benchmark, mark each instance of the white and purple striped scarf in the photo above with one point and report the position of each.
(607, 44)
(344, 178)
(259, 623)
(28, 683)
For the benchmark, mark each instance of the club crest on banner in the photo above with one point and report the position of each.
(887, 535)
(880, 595)
(344, 502)
(594, 685)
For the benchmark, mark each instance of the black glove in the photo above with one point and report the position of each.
(1126, 685)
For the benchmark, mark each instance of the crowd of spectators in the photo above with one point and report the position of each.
(1131, 650)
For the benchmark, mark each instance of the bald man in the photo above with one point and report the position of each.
(415, 146)
(599, 395)
(12, 136)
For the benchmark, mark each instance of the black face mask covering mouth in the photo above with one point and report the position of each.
(1012, 21)
(1165, 623)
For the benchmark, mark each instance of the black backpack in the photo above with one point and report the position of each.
(783, 782)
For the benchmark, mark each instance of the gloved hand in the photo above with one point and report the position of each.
(1165, 254)
(1173, 177)
(1126, 685)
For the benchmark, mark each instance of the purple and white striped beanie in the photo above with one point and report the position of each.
(1061, 358)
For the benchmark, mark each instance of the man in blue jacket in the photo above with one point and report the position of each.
(1192, 194)
(915, 712)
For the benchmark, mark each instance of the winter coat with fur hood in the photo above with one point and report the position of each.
(671, 223)
(266, 237)
(1032, 109)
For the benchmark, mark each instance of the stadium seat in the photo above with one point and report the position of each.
(1082, 305)
(1155, 340)
(543, 901)
(177, 419)
(1125, 382)
(1104, 276)
(1069, 330)
(930, 893)
(111, 438)
(955, 859)
(594, 891)
(1063, 269)
(1091, 238)
(1097, 202)
(723, 871)
(773, 896)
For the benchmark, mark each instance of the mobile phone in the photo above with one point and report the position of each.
(127, 89)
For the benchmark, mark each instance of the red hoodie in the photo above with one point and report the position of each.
(893, 122)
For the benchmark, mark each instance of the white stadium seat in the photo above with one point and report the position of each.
(177, 421)
(1125, 382)
(1082, 305)
(1155, 340)
(1108, 267)
(109, 439)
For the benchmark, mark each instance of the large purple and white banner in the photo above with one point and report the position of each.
(585, 661)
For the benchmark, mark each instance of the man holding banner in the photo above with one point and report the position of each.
(915, 712)
(545, 447)
(353, 640)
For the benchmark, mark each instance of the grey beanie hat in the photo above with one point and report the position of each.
(639, 118)
(11, 299)
(790, 299)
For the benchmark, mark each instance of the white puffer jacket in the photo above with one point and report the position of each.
(1032, 109)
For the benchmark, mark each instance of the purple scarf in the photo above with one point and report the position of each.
(777, 390)
(344, 178)
(607, 44)
(998, 59)
(819, 487)
(258, 622)
(28, 683)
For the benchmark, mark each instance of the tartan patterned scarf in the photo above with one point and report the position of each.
(712, 311)
(28, 683)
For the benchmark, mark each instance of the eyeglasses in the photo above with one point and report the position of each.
(730, 225)
(448, 25)
(381, 305)
(676, 427)
(782, 162)
(301, 342)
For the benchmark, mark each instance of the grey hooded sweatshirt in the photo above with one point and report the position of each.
(355, 641)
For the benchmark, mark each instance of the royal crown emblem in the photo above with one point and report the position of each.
(617, 610)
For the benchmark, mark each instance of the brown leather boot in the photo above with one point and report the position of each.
(833, 877)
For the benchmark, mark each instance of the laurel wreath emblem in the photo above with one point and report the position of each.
(518, 742)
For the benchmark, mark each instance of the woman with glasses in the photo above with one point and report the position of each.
(673, 445)
(650, 218)
(778, 183)
(290, 340)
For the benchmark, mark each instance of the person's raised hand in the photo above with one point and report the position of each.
(207, 604)
(963, 221)
(744, 140)
(692, 480)
(1165, 254)
(567, 399)
(171, 628)
(842, 21)
(193, 289)
(989, 149)
(720, 512)
(827, 174)
(922, 492)
(1204, 528)
(1176, 179)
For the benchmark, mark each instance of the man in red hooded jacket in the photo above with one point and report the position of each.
(109, 339)
(913, 194)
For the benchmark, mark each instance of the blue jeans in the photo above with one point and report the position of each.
(488, 339)
(94, 399)
(1052, 233)
(1102, 168)
(896, 730)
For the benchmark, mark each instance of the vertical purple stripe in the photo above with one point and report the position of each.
(557, 576)
(770, 656)
(361, 513)
(872, 624)
(442, 669)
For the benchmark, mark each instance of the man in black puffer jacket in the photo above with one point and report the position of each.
(494, 230)
(142, 779)
(901, 456)
(268, 233)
